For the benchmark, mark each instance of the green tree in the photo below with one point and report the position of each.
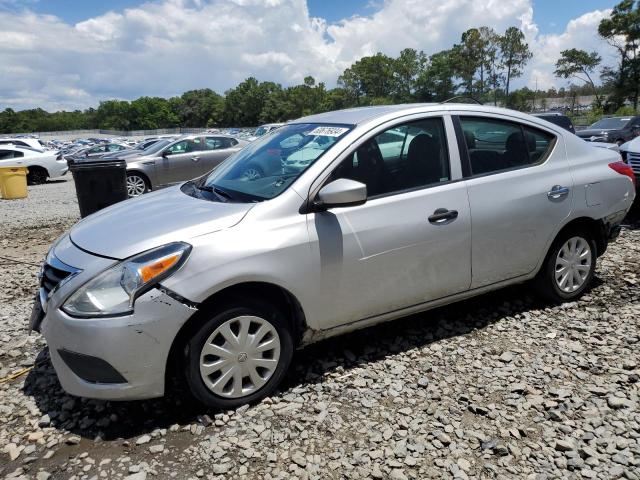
(407, 68)
(369, 77)
(515, 54)
(581, 65)
(200, 108)
(437, 81)
(622, 30)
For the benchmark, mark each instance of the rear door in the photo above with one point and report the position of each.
(520, 191)
(216, 150)
(180, 161)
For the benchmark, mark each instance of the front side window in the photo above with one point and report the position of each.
(497, 145)
(115, 148)
(184, 146)
(410, 156)
(267, 166)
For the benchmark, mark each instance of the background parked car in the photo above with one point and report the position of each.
(630, 152)
(24, 142)
(42, 165)
(263, 130)
(98, 151)
(612, 130)
(557, 118)
(185, 158)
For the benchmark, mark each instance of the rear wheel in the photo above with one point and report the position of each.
(37, 176)
(569, 267)
(239, 355)
(137, 184)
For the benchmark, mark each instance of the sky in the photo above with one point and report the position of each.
(71, 54)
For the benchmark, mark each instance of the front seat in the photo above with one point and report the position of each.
(423, 162)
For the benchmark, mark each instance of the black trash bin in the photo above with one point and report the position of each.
(99, 183)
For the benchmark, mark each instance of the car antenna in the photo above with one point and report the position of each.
(458, 97)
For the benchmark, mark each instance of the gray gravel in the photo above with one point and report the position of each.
(502, 386)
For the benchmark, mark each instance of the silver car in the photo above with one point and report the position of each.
(219, 279)
(169, 162)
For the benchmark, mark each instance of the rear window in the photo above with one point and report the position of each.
(496, 145)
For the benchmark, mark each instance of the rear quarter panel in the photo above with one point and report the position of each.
(599, 191)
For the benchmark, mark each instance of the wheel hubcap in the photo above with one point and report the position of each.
(135, 186)
(240, 356)
(573, 264)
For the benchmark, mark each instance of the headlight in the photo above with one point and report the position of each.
(114, 291)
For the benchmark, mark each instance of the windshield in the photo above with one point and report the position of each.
(157, 146)
(266, 167)
(611, 123)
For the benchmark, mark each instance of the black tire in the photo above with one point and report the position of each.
(37, 176)
(620, 142)
(145, 180)
(194, 346)
(545, 281)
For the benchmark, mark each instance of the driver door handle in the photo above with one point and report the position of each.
(195, 159)
(442, 216)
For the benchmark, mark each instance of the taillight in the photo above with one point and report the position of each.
(623, 169)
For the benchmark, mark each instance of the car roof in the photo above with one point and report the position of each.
(362, 115)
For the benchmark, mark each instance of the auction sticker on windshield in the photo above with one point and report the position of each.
(328, 131)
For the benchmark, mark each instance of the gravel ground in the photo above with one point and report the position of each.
(501, 386)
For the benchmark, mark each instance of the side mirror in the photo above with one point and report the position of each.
(341, 193)
(166, 153)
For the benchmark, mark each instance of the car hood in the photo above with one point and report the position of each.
(632, 146)
(152, 220)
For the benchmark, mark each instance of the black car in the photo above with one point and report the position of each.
(612, 130)
(557, 119)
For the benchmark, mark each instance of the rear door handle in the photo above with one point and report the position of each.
(557, 192)
(195, 159)
(442, 216)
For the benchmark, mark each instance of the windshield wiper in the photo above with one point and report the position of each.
(224, 196)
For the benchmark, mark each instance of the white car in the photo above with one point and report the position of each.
(41, 164)
(263, 130)
(630, 152)
(24, 142)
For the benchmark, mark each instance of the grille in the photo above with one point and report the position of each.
(633, 159)
(53, 272)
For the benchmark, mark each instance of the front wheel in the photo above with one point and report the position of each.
(136, 184)
(569, 267)
(239, 355)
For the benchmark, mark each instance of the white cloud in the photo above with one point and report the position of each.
(168, 46)
(582, 33)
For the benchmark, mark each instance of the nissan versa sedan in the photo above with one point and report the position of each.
(217, 280)
(170, 162)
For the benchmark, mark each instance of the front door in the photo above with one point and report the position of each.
(410, 242)
(520, 191)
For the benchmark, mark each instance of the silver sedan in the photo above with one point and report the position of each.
(170, 162)
(383, 212)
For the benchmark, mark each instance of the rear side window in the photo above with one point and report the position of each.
(496, 145)
(406, 157)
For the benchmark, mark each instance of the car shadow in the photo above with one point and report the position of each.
(113, 420)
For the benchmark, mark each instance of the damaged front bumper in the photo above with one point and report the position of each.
(111, 358)
(120, 358)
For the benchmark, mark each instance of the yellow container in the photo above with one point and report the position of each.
(13, 182)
